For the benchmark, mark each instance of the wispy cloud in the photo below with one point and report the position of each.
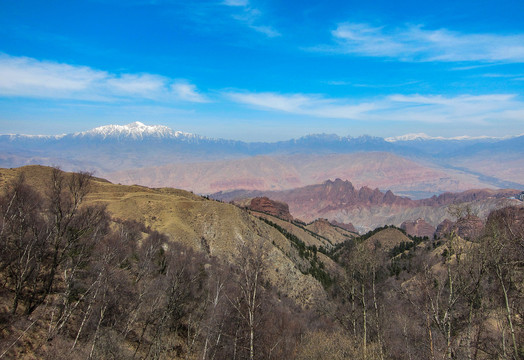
(411, 108)
(415, 43)
(28, 77)
(312, 105)
(250, 16)
(188, 92)
(457, 109)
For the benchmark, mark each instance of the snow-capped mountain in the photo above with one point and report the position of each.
(111, 148)
(135, 131)
(425, 137)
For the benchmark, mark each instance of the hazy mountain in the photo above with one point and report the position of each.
(369, 208)
(415, 165)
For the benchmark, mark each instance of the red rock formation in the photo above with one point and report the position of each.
(348, 227)
(418, 227)
(468, 227)
(268, 206)
(339, 194)
(444, 228)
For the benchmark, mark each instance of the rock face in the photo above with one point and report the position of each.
(345, 226)
(271, 207)
(368, 208)
(444, 228)
(468, 227)
(418, 227)
(336, 195)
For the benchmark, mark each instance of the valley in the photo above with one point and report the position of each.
(190, 267)
(223, 249)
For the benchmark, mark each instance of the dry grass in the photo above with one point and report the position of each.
(205, 225)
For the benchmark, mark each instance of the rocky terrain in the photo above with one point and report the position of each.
(131, 270)
(341, 201)
(274, 208)
(418, 227)
(468, 227)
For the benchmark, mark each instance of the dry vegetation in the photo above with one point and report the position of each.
(94, 270)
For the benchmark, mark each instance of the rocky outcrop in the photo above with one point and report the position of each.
(340, 194)
(345, 226)
(468, 227)
(444, 228)
(448, 198)
(271, 207)
(369, 208)
(418, 227)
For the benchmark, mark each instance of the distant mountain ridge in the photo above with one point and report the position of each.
(138, 131)
(156, 155)
(335, 194)
(423, 137)
(340, 201)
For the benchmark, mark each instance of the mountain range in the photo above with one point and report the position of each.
(414, 165)
(367, 208)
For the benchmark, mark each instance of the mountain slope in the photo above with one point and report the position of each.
(207, 226)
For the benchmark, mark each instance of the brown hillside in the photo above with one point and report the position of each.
(418, 227)
(205, 225)
(335, 233)
(387, 239)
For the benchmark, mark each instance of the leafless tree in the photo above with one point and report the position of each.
(22, 240)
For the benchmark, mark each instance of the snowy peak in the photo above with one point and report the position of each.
(422, 137)
(409, 137)
(135, 131)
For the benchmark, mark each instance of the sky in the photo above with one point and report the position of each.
(264, 70)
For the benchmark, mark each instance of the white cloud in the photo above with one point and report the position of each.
(266, 30)
(414, 43)
(187, 92)
(457, 109)
(302, 104)
(144, 85)
(250, 16)
(412, 108)
(27, 77)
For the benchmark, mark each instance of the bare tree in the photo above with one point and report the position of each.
(502, 245)
(250, 265)
(22, 241)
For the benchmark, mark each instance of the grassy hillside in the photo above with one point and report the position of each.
(204, 225)
(133, 272)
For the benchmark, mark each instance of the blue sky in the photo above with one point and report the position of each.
(263, 69)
